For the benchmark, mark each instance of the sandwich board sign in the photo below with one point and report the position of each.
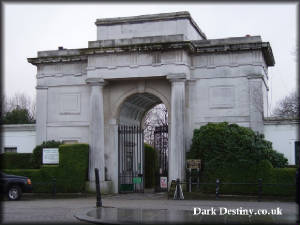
(50, 156)
(163, 182)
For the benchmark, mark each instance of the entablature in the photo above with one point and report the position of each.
(192, 48)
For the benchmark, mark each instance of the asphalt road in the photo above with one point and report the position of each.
(33, 209)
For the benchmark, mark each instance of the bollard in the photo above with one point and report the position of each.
(54, 186)
(259, 189)
(297, 193)
(98, 202)
(217, 188)
(177, 189)
(190, 179)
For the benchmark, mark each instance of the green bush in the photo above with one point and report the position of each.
(70, 174)
(38, 152)
(16, 161)
(237, 154)
(218, 144)
(151, 165)
(277, 159)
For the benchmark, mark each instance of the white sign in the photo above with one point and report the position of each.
(163, 182)
(50, 156)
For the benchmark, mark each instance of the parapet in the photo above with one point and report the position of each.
(163, 24)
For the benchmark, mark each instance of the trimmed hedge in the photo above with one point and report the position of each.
(283, 178)
(151, 165)
(16, 161)
(73, 167)
(70, 174)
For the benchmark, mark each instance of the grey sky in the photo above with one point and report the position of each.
(29, 28)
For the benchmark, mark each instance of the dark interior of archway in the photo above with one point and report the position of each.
(132, 112)
(135, 106)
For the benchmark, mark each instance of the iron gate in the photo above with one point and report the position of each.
(131, 158)
(161, 145)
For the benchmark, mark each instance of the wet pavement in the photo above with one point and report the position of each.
(137, 208)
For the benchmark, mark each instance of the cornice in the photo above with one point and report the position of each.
(264, 46)
(57, 59)
(190, 46)
(85, 52)
(280, 120)
(19, 127)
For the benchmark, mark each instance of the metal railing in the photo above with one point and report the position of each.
(218, 184)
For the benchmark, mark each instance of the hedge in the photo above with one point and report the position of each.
(70, 174)
(283, 178)
(235, 154)
(151, 165)
(16, 161)
(73, 167)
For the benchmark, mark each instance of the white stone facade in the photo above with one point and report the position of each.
(20, 138)
(137, 62)
(284, 135)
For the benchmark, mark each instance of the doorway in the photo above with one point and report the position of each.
(133, 134)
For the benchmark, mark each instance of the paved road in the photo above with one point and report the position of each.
(62, 210)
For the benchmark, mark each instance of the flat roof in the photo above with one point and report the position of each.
(150, 18)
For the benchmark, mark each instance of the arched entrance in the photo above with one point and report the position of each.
(131, 157)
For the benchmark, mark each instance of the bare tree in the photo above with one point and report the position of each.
(157, 116)
(288, 107)
(19, 100)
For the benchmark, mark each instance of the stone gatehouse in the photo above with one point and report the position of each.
(83, 95)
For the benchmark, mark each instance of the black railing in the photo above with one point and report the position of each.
(217, 187)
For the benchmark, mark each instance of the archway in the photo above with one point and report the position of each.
(131, 155)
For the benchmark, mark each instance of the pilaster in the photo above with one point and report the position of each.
(96, 129)
(41, 114)
(176, 144)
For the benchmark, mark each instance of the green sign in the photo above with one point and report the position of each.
(137, 180)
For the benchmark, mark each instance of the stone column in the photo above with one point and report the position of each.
(41, 114)
(96, 130)
(177, 146)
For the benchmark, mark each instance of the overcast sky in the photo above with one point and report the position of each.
(29, 28)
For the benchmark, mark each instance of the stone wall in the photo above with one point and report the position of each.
(137, 62)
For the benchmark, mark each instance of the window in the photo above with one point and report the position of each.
(297, 147)
(10, 149)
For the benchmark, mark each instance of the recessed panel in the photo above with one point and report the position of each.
(221, 97)
(70, 103)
